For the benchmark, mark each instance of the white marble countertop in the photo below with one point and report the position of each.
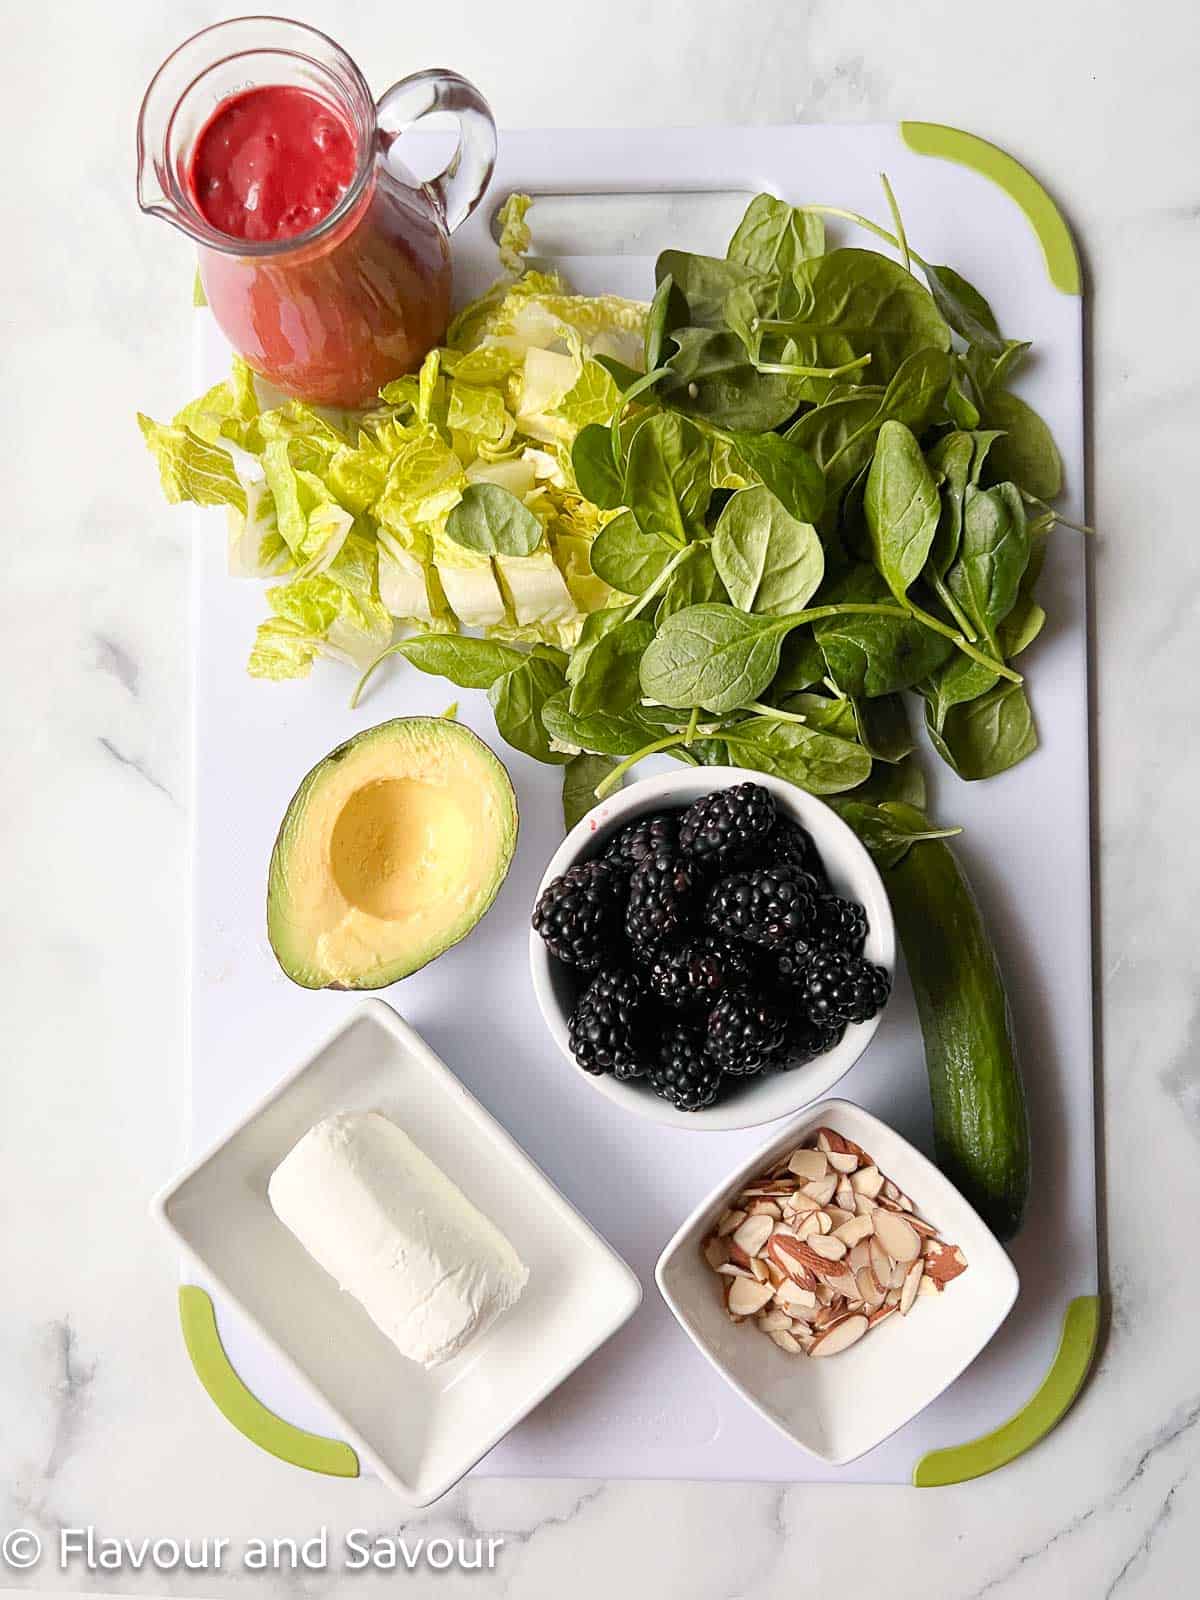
(101, 1419)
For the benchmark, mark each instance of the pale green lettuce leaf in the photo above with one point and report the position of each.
(536, 589)
(256, 549)
(191, 469)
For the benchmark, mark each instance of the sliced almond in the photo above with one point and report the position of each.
(825, 1295)
(843, 1161)
(774, 1320)
(795, 1259)
(788, 1342)
(868, 1181)
(824, 1221)
(900, 1241)
(753, 1234)
(880, 1314)
(881, 1262)
(925, 1229)
(765, 1208)
(822, 1189)
(775, 1273)
(860, 1255)
(808, 1164)
(944, 1263)
(863, 1205)
(890, 1189)
(730, 1222)
(928, 1286)
(843, 1282)
(838, 1214)
(855, 1231)
(892, 1298)
(747, 1297)
(844, 1194)
(730, 1269)
(912, 1282)
(869, 1291)
(738, 1255)
(829, 1139)
(839, 1336)
(899, 1273)
(772, 1189)
(790, 1295)
(827, 1245)
(759, 1268)
(809, 1226)
(716, 1252)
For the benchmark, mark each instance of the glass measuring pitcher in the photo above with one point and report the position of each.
(331, 313)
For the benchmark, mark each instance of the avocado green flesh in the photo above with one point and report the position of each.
(391, 850)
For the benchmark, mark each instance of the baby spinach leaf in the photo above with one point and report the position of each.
(712, 656)
(789, 472)
(704, 282)
(960, 680)
(905, 781)
(517, 700)
(826, 713)
(713, 378)
(1020, 627)
(816, 761)
(950, 460)
(773, 237)
(602, 732)
(696, 582)
(667, 481)
(964, 308)
(875, 655)
(901, 507)
(768, 561)
(801, 663)
(883, 727)
(595, 625)
(668, 311)
(580, 777)
(595, 471)
(853, 303)
(840, 437)
(609, 680)
(889, 830)
(626, 558)
(1027, 453)
(469, 663)
(915, 393)
(988, 370)
(988, 735)
(992, 555)
(494, 522)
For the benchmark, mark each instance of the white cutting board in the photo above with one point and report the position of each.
(648, 1405)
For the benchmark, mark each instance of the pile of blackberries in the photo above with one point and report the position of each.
(710, 947)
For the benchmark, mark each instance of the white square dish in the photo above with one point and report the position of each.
(420, 1431)
(839, 1408)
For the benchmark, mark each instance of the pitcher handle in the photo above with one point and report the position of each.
(460, 186)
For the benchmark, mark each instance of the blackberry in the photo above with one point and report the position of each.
(607, 1031)
(691, 976)
(662, 894)
(579, 914)
(647, 836)
(836, 986)
(807, 1039)
(791, 961)
(746, 1032)
(772, 907)
(729, 826)
(791, 843)
(684, 1073)
(840, 925)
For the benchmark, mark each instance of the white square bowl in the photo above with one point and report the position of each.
(839, 1408)
(419, 1431)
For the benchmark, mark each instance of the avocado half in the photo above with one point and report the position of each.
(390, 852)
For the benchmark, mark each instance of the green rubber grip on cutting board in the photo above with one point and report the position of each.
(246, 1412)
(1047, 221)
(1044, 1411)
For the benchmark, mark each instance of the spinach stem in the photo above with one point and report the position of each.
(693, 724)
(967, 648)
(646, 381)
(1048, 510)
(774, 712)
(616, 775)
(392, 649)
(953, 607)
(863, 222)
(901, 237)
(788, 370)
(663, 579)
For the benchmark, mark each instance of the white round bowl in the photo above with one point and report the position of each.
(852, 874)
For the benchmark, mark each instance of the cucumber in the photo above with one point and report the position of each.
(980, 1126)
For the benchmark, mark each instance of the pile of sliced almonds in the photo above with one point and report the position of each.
(823, 1246)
